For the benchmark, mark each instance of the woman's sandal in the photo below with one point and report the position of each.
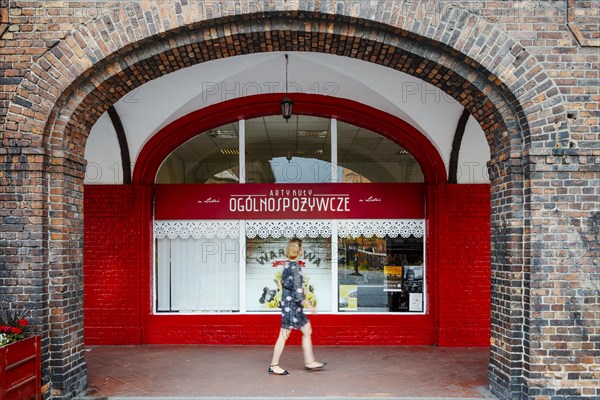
(271, 371)
(316, 368)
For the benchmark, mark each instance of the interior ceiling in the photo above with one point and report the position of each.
(164, 100)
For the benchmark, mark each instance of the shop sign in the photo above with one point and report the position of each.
(289, 201)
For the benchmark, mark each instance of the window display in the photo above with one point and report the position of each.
(378, 267)
(380, 274)
(265, 259)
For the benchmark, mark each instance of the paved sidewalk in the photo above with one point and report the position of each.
(240, 372)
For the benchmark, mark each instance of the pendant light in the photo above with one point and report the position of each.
(286, 103)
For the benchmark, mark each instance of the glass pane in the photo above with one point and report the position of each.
(264, 262)
(365, 156)
(163, 274)
(380, 275)
(211, 157)
(297, 151)
(197, 275)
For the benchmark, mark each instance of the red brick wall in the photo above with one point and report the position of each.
(118, 284)
(113, 260)
(464, 266)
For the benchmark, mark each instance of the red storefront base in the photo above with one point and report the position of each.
(117, 273)
(20, 370)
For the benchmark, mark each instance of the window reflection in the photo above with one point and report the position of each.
(380, 274)
(365, 156)
(298, 151)
(211, 157)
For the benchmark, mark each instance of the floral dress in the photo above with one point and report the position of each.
(292, 309)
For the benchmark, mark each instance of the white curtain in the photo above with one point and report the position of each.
(163, 274)
(198, 274)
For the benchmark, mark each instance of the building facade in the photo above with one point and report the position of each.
(442, 164)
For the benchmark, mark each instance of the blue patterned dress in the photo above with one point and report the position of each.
(292, 296)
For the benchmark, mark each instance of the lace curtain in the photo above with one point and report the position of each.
(285, 228)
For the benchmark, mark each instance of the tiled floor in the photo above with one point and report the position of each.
(241, 371)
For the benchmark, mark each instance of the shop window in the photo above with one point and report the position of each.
(365, 156)
(296, 151)
(265, 255)
(380, 274)
(212, 157)
(377, 267)
(197, 267)
(220, 248)
(381, 266)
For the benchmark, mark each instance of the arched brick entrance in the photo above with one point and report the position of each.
(495, 78)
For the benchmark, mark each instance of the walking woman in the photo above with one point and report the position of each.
(292, 311)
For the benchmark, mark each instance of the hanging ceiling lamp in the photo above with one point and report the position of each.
(286, 103)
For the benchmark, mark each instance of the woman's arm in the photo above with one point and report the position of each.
(308, 304)
(297, 280)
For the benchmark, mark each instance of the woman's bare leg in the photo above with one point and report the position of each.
(284, 334)
(307, 349)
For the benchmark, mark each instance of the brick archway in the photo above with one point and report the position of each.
(70, 86)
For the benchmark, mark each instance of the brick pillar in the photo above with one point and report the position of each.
(24, 239)
(505, 371)
(41, 244)
(562, 353)
(545, 276)
(65, 286)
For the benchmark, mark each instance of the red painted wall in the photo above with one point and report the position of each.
(117, 278)
(464, 266)
(114, 257)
